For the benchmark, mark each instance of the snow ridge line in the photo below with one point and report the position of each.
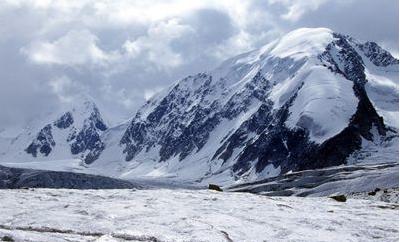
(126, 237)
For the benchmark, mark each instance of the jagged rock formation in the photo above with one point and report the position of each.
(298, 103)
(43, 143)
(312, 99)
(80, 129)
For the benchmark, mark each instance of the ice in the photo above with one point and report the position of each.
(189, 215)
(323, 102)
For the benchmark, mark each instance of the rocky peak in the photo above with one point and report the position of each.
(43, 142)
(296, 103)
(301, 102)
(65, 121)
(80, 128)
(377, 55)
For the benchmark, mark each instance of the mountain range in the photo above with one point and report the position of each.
(311, 99)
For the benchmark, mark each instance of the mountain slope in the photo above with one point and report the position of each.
(73, 132)
(311, 99)
(298, 103)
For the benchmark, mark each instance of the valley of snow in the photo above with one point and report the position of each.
(189, 215)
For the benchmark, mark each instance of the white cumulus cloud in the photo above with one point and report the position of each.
(77, 47)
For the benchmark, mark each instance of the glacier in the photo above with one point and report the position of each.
(189, 215)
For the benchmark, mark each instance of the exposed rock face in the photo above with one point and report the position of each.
(82, 137)
(181, 122)
(64, 121)
(309, 100)
(377, 55)
(189, 117)
(43, 143)
(88, 138)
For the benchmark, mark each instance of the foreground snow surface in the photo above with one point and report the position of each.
(189, 215)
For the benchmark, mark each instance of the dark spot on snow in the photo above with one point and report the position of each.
(7, 238)
(388, 206)
(214, 187)
(226, 235)
(339, 198)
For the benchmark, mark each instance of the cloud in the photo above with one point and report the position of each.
(65, 89)
(77, 47)
(149, 93)
(295, 9)
(155, 46)
(123, 52)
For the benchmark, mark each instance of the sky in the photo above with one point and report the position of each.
(122, 52)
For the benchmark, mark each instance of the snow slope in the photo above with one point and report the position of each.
(311, 99)
(189, 215)
(71, 133)
(308, 100)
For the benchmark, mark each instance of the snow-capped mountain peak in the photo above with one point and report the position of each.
(73, 131)
(302, 43)
(297, 103)
(311, 99)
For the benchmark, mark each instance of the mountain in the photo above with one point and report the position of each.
(308, 100)
(74, 132)
(311, 99)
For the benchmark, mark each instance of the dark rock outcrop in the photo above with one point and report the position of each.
(182, 121)
(64, 121)
(214, 187)
(377, 55)
(324, 182)
(43, 143)
(84, 141)
(14, 178)
(339, 198)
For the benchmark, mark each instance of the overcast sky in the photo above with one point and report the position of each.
(121, 52)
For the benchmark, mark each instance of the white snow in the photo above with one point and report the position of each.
(14, 151)
(303, 42)
(324, 104)
(383, 90)
(189, 215)
(228, 80)
(376, 151)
